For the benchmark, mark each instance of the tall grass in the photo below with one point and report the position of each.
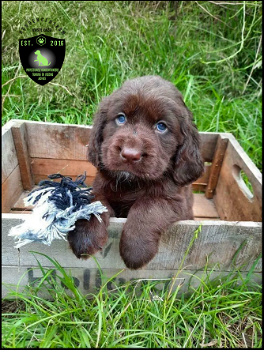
(212, 52)
(222, 312)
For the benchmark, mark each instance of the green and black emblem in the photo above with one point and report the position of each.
(42, 57)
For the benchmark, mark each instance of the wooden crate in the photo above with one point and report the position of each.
(229, 214)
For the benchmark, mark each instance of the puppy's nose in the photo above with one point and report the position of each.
(130, 154)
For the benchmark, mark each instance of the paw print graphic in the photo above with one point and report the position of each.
(41, 40)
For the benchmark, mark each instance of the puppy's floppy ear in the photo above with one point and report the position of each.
(96, 136)
(188, 165)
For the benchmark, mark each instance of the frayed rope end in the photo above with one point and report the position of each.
(57, 207)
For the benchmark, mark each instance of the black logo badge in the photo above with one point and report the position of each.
(42, 57)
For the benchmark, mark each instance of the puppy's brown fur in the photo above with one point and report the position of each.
(144, 173)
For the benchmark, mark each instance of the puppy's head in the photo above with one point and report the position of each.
(144, 130)
(37, 52)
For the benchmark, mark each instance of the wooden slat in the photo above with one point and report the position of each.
(89, 179)
(216, 243)
(43, 167)
(9, 158)
(90, 280)
(199, 187)
(216, 166)
(20, 140)
(11, 190)
(58, 141)
(231, 200)
(208, 144)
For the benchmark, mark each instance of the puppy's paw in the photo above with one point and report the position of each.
(137, 254)
(87, 238)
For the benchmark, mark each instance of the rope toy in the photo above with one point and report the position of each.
(58, 206)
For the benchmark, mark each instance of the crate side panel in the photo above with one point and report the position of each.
(20, 140)
(42, 167)
(217, 242)
(58, 141)
(208, 144)
(12, 189)
(90, 280)
(9, 157)
(231, 201)
(216, 166)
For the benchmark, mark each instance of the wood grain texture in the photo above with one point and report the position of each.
(208, 144)
(9, 157)
(11, 190)
(231, 200)
(216, 166)
(217, 243)
(89, 280)
(42, 167)
(199, 187)
(20, 140)
(58, 141)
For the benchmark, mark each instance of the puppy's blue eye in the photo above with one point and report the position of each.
(161, 127)
(121, 119)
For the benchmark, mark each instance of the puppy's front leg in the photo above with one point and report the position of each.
(146, 221)
(90, 236)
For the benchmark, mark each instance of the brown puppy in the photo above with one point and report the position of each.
(146, 149)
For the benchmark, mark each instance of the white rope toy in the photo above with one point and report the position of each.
(58, 207)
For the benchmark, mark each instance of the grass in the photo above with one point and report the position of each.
(212, 53)
(222, 312)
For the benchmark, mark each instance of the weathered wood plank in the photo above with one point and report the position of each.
(89, 179)
(217, 243)
(20, 140)
(231, 199)
(9, 157)
(199, 187)
(89, 280)
(58, 141)
(208, 144)
(216, 166)
(11, 190)
(43, 167)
